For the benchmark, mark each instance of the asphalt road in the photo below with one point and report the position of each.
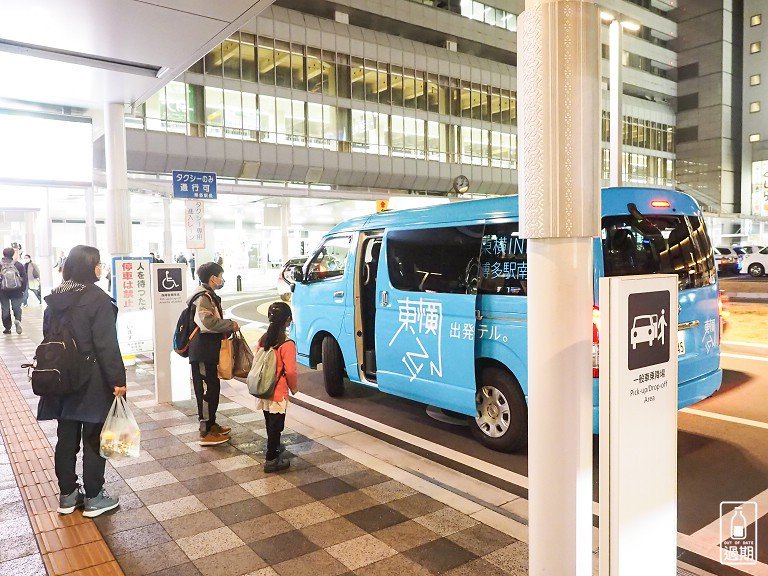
(722, 441)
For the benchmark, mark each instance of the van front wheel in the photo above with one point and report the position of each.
(333, 367)
(502, 414)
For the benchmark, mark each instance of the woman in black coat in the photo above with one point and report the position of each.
(90, 315)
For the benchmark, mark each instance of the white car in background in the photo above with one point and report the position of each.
(755, 264)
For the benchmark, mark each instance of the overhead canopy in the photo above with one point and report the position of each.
(86, 53)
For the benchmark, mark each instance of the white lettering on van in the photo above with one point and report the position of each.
(423, 319)
(709, 334)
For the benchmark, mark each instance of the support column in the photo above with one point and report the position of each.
(168, 255)
(285, 220)
(118, 217)
(616, 89)
(29, 234)
(90, 217)
(559, 106)
(44, 258)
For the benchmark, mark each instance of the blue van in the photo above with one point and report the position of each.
(431, 304)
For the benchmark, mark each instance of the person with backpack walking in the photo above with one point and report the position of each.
(274, 408)
(89, 315)
(13, 284)
(33, 280)
(204, 347)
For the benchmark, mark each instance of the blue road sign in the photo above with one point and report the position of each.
(194, 185)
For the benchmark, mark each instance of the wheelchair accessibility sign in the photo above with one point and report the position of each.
(648, 329)
(169, 283)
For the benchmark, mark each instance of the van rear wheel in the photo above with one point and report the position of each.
(501, 423)
(756, 270)
(333, 367)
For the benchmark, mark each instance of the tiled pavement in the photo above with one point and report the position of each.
(189, 510)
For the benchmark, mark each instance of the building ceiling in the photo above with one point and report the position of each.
(87, 53)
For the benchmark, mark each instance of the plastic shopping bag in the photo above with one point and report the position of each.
(242, 356)
(120, 436)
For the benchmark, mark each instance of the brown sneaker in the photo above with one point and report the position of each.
(212, 439)
(220, 430)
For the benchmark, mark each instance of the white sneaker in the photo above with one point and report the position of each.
(18, 327)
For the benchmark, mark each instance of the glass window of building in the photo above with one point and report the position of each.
(267, 123)
(357, 73)
(283, 71)
(195, 110)
(503, 150)
(397, 85)
(409, 87)
(154, 111)
(298, 78)
(233, 114)
(756, 20)
(314, 70)
(214, 111)
(248, 57)
(213, 62)
(250, 116)
(375, 82)
(754, 137)
(329, 73)
(437, 141)
(344, 75)
(321, 126)
(230, 55)
(754, 106)
(266, 62)
(754, 80)
(176, 107)
(755, 47)
(474, 145)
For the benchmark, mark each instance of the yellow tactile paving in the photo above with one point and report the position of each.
(69, 544)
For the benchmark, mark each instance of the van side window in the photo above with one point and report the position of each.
(434, 259)
(330, 261)
(503, 261)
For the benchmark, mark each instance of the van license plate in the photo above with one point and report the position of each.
(680, 344)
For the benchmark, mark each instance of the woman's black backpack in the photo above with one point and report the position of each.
(58, 367)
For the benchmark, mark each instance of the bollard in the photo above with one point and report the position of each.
(239, 283)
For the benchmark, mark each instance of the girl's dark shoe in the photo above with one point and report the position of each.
(276, 465)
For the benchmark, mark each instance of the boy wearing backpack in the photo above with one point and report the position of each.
(204, 346)
(13, 284)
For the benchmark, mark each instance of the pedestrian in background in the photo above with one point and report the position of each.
(192, 265)
(91, 318)
(13, 284)
(204, 347)
(280, 318)
(33, 280)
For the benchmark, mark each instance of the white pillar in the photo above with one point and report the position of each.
(45, 260)
(90, 218)
(167, 237)
(29, 234)
(118, 217)
(616, 88)
(285, 220)
(559, 106)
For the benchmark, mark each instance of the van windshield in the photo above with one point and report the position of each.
(659, 244)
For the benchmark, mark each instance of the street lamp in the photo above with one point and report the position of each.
(615, 89)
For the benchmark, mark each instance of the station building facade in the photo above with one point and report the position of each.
(398, 96)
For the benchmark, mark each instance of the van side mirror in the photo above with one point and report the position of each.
(297, 274)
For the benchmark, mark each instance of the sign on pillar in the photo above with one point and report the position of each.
(131, 290)
(194, 224)
(638, 425)
(169, 298)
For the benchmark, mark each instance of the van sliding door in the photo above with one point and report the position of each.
(425, 315)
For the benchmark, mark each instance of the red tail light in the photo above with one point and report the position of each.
(722, 312)
(595, 342)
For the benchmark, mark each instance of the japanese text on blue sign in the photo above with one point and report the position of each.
(194, 185)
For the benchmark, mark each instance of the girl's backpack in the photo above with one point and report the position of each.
(263, 376)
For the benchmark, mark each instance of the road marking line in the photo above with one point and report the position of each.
(470, 461)
(743, 357)
(713, 553)
(229, 312)
(750, 344)
(710, 535)
(732, 419)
